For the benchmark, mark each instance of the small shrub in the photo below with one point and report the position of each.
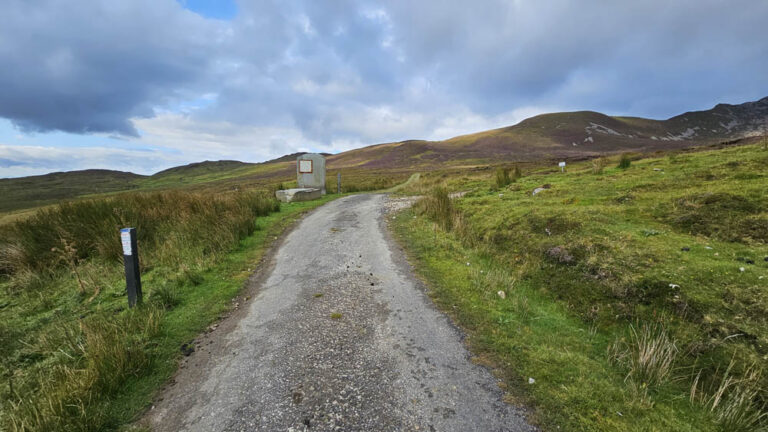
(625, 161)
(598, 165)
(502, 177)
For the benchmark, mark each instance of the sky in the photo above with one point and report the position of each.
(143, 85)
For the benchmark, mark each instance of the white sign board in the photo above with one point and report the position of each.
(305, 166)
(561, 164)
(125, 238)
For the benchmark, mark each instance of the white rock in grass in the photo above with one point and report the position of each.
(673, 286)
(741, 269)
(501, 294)
(531, 380)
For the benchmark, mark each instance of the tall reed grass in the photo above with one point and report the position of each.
(65, 358)
(170, 226)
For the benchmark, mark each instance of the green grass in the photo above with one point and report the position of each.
(208, 172)
(34, 191)
(77, 359)
(621, 285)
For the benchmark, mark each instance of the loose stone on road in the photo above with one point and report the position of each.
(339, 337)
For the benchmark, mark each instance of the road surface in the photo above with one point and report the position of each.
(338, 336)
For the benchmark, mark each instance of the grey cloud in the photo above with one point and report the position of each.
(85, 66)
(371, 71)
(651, 58)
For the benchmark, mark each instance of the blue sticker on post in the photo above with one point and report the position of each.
(125, 238)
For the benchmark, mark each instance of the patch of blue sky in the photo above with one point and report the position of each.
(188, 106)
(216, 9)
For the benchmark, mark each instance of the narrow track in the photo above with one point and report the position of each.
(339, 336)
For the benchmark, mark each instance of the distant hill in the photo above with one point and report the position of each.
(569, 135)
(575, 135)
(198, 168)
(25, 192)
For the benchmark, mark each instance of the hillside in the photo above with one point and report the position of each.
(631, 296)
(25, 192)
(568, 135)
(579, 134)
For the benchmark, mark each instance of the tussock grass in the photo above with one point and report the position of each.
(438, 207)
(737, 401)
(649, 355)
(598, 165)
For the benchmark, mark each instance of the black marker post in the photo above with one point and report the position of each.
(131, 261)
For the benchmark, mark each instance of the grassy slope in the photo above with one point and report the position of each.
(210, 172)
(624, 230)
(26, 192)
(38, 318)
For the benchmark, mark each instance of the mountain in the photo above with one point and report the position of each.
(569, 135)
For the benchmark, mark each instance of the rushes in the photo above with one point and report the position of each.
(502, 177)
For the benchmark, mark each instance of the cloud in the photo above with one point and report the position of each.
(85, 67)
(18, 160)
(328, 76)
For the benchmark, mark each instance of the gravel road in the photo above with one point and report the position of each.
(338, 336)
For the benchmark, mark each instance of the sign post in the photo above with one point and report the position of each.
(131, 261)
(338, 183)
(562, 166)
